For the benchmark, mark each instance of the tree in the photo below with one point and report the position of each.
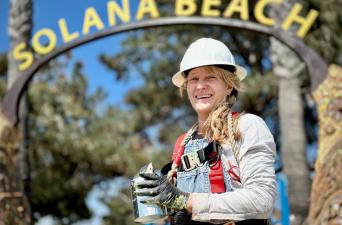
(121, 209)
(14, 187)
(75, 145)
(324, 36)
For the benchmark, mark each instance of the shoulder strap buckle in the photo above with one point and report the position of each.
(191, 161)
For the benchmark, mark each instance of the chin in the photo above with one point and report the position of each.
(203, 110)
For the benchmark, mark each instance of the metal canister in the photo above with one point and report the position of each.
(145, 213)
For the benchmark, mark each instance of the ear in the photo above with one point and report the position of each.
(229, 90)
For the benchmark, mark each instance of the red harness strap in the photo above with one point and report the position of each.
(178, 150)
(216, 178)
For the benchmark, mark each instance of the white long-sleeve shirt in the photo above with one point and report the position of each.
(254, 197)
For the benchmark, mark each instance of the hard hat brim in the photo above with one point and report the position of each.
(178, 78)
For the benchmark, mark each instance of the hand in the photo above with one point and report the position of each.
(158, 190)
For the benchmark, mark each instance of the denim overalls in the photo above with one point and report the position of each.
(197, 180)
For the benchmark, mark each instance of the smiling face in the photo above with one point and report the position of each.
(206, 90)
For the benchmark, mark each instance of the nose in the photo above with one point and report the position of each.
(200, 85)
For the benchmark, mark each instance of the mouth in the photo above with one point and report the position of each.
(199, 97)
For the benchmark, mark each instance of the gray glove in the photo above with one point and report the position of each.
(158, 190)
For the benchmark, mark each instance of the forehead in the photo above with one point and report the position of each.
(200, 70)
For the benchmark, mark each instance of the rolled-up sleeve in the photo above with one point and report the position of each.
(256, 198)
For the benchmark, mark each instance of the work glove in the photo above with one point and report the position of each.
(158, 190)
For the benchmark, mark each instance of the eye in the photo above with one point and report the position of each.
(192, 79)
(211, 77)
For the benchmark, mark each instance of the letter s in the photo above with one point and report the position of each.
(25, 56)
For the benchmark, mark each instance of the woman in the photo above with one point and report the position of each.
(224, 165)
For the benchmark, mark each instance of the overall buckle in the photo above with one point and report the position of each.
(191, 161)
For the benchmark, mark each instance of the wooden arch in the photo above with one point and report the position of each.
(316, 66)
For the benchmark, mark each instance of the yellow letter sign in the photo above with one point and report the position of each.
(147, 6)
(305, 23)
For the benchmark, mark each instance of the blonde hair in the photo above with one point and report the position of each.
(220, 126)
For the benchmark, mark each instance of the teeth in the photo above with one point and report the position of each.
(203, 96)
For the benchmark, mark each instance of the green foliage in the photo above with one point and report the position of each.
(258, 92)
(121, 210)
(325, 36)
(74, 144)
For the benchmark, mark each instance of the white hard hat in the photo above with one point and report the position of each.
(204, 52)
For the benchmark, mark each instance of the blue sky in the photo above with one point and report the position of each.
(46, 15)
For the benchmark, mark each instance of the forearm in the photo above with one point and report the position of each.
(237, 205)
(253, 201)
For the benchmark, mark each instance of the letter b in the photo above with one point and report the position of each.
(185, 7)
